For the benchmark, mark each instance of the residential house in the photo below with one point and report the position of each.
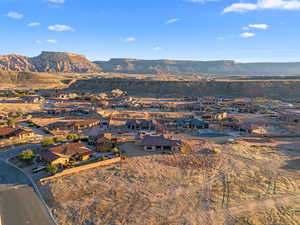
(192, 123)
(33, 99)
(73, 125)
(140, 124)
(213, 115)
(116, 124)
(104, 142)
(15, 132)
(62, 155)
(159, 143)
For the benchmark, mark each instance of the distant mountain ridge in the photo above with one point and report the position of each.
(56, 62)
(52, 62)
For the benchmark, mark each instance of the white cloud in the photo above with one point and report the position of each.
(259, 26)
(33, 24)
(52, 41)
(247, 35)
(157, 48)
(173, 20)
(15, 15)
(60, 27)
(245, 28)
(38, 42)
(129, 39)
(57, 1)
(264, 5)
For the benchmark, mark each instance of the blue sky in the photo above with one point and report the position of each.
(247, 30)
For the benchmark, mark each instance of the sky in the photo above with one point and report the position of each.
(241, 30)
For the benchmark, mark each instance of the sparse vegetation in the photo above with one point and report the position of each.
(73, 137)
(51, 169)
(236, 187)
(48, 141)
(27, 156)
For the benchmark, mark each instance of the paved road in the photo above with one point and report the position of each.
(19, 204)
(9, 175)
(34, 129)
(14, 151)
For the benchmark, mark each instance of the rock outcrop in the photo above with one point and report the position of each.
(63, 62)
(53, 62)
(16, 63)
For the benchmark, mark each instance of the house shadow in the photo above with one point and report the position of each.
(293, 164)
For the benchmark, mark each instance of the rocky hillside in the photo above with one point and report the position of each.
(49, 62)
(63, 62)
(54, 62)
(16, 63)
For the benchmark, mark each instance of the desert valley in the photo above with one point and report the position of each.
(150, 142)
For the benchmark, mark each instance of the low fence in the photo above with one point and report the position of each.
(82, 168)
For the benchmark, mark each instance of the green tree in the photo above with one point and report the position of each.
(27, 155)
(52, 169)
(115, 150)
(11, 122)
(58, 139)
(72, 137)
(47, 141)
(103, 158)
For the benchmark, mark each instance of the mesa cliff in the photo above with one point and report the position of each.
(62, 62)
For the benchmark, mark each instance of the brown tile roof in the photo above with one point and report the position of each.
(17, 131)
(5, 131)
(49, 156)
(71, 149)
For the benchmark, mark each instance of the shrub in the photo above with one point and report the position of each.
(52, 169)
(72, 137)
(11, 122)
(185, 148)
(47, 141)
(115, 150)
(58, 139)
(27, 155)
(103, 158)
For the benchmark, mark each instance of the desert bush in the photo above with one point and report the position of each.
(72, 137)
(52, 169)
(27, 155)
(47, 141)
(185, 148)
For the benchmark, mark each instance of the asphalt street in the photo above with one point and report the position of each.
(19, 204)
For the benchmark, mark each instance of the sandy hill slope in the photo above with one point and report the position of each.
(241, 185)
(29, 80)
